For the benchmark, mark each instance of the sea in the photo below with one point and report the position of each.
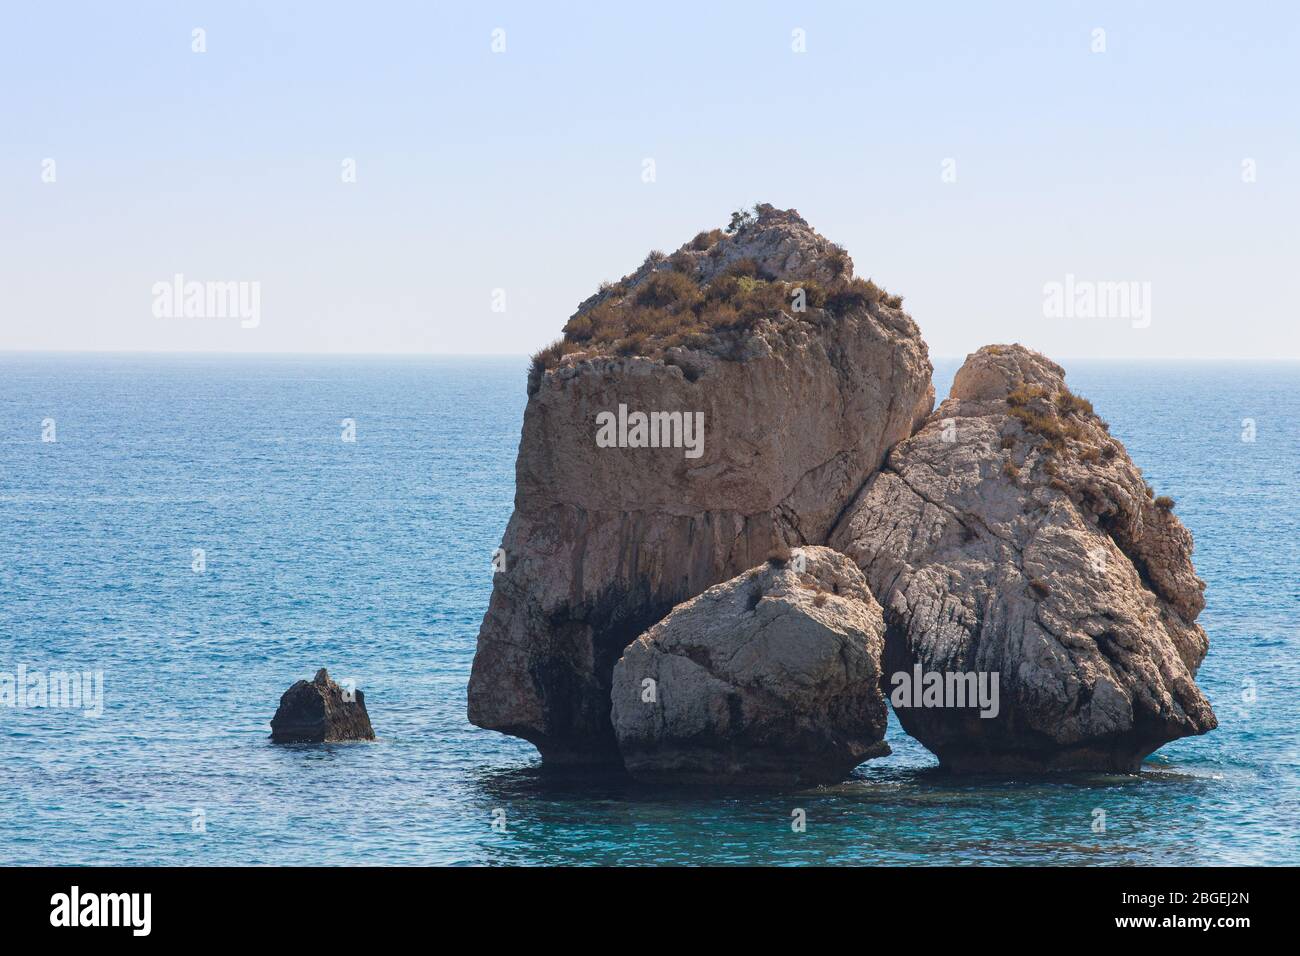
(200, 531)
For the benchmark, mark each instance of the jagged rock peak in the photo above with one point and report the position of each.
(779, 243)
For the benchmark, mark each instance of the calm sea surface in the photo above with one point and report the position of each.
(372, 558)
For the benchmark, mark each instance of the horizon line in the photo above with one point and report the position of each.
(526, 355)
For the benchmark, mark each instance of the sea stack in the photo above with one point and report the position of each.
(1012, 535)
(804, 376)
(319, 711)
(1026, 601)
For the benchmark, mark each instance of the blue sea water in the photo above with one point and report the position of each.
(372, 558)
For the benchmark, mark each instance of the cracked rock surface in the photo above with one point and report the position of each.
(1013, 535)
(772, 677)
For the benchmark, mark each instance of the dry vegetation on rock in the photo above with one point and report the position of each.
(678, 301)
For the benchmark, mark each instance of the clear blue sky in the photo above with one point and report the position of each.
(523, 170)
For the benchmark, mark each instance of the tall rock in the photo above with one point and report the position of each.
(804, 378)
(1012, 535)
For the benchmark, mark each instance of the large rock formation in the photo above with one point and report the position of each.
(798, 409)
(772, 677)
(1013, 536)
(318, 711)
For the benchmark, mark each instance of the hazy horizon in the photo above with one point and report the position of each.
(524, 356)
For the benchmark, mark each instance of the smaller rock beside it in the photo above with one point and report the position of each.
(771, 678)
(318, 711)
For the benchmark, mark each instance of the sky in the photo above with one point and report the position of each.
(968, 156)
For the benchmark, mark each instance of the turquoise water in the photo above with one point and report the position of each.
(372, 558)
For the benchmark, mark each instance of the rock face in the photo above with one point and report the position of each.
(1013, 536)
(797, 412)
(315, 711)
(772, 677)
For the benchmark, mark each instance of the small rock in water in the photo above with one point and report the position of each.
(317, 711)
